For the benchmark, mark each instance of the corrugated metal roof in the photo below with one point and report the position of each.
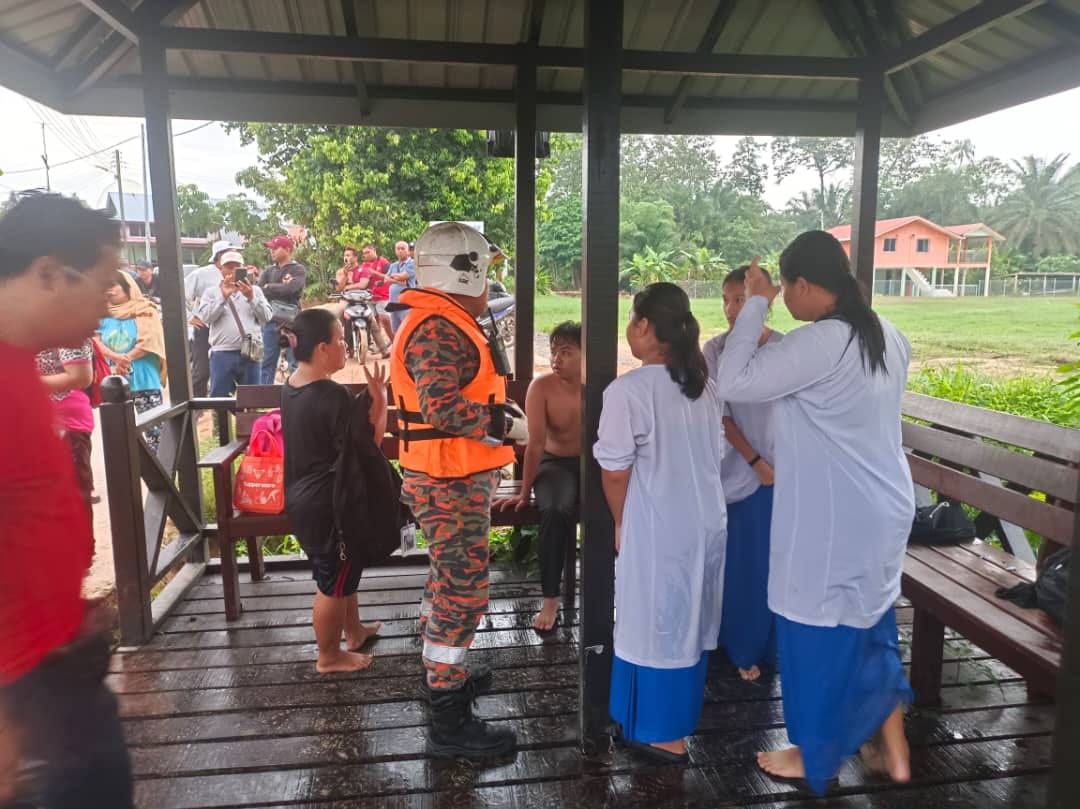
(1018, 57)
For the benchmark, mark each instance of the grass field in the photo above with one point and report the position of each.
(1002, 336)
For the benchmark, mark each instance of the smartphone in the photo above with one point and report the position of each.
(240, 274)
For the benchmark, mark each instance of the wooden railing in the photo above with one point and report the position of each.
(147, 492)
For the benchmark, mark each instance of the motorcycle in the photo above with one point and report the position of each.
(363, 322)
(502, 308)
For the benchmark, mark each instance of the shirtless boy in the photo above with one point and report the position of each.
(553, 410)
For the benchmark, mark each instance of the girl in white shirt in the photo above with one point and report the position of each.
(660, 446)
(747, 629)
(844, 505)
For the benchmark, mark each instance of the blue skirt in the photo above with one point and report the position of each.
(747, 628)
(656, 705)
(839, 685)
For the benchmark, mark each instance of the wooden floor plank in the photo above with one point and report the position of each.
(233, 714)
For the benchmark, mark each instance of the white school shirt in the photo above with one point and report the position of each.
(669, 575)
(844, 498)
(754, 421)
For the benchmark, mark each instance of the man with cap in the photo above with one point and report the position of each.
(282, 283)
(233, 308)
(195, 285)
(457, 427)
(147, 280)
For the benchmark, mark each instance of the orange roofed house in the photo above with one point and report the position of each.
(914, 256)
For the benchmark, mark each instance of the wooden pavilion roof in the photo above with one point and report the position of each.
(690, 66)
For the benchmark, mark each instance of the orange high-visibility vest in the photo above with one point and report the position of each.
(424, 448)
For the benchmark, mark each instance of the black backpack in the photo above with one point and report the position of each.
(1050, 592)
(943, 523)
(368, 512)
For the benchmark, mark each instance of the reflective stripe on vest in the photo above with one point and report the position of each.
(428, 449)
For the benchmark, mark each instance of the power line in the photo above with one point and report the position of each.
(105, 149)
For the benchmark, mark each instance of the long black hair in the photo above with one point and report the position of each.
(309, 329)
(819, 258)
(667, 308)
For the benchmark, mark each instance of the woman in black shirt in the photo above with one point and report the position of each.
(315, 415)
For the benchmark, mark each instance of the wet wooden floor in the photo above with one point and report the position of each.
(222, 714)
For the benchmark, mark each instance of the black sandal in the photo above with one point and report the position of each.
(657, 753)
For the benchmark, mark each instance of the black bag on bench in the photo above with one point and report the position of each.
(1050, 592)
(944, 523)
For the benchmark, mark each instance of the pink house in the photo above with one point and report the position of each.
(914, 256)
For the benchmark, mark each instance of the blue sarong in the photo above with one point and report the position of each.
(657, 705)
(747, 627)
(839, 685)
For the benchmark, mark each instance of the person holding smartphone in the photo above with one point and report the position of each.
(232, 309)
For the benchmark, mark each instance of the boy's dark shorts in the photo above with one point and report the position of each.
(334, 577)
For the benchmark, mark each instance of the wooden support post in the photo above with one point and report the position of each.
(525, 228)
(868, 115)
(600, 318)
(120, 444)
(927, 658)
(1065, 779)
(170, 266)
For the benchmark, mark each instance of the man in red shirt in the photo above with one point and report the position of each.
(372, 275)
(61, 743)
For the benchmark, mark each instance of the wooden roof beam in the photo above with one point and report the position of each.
(320, 46)
(964, 25)
(1058, 20)
(101, 61)
(860, 43)
(536, 21)
(71, 45)
(117, 15)
(712, 34)
(352, 30)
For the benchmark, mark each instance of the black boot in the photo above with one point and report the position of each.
(454, 731)
(480, 675)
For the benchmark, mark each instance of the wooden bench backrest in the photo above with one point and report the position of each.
(951, 443)
(254, 400)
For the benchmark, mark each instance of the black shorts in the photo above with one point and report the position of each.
(334, 577)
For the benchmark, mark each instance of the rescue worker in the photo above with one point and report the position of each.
(456, 429)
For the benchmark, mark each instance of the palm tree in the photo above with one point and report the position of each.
(1042, 211)
(963, 152)
(813, 210)
(649, 267)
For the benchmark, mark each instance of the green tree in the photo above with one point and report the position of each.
(559, 243)
(1041, 213)
(645, 224)
(703, 265)
(747, 172)
(648, 267)
(350, 185)
(241, 214)
(823, 156)
(813, 209)
(198, 215)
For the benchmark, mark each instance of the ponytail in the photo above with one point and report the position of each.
(667, 307)
(819, 258)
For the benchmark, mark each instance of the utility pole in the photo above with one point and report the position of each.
(145, 191)
(45, 157)
(120, 194)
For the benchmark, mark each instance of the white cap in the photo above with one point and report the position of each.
(454, 258)
(231, 257)
(220, 246)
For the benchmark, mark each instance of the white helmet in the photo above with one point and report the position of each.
(454, 258)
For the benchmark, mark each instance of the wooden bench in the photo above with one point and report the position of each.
(233, 525)
(993, 462)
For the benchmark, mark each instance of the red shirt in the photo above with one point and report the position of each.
(380, 289)
(47, 541)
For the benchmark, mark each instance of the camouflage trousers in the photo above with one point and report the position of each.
(455, 516)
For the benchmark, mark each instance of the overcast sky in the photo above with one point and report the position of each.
(210, 157)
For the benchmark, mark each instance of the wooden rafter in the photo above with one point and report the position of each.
(712, 34)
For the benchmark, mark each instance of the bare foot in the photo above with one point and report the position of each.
(545, 620)
(783, 763)
(342, 661)
(678, 747)
(895, 753)
(367, 631)
(750, 674)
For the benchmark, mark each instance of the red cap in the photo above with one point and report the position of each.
(280, 241)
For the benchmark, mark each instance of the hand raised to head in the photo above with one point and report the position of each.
(757, 282)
